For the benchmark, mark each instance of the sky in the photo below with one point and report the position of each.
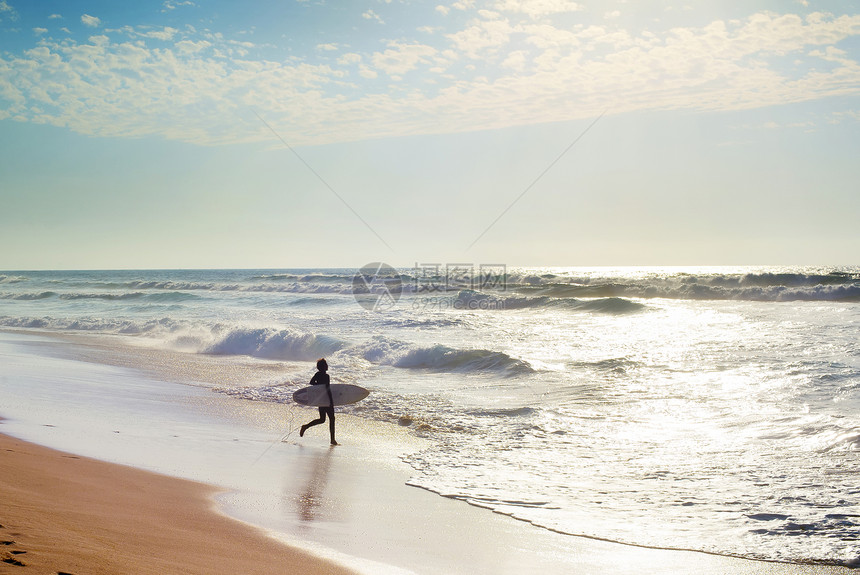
(314, 133)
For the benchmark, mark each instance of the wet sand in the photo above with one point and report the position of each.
(62, 513)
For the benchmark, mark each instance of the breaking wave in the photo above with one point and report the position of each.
(384, 351)
(164, 297)
(269, 343)
(27, 296)
(468, 299)
(283, 344)
(4, 279)
(755, 284)
(95, 325)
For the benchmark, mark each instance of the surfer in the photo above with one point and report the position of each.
(321, 378)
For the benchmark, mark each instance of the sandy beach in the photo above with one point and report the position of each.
(67, 514)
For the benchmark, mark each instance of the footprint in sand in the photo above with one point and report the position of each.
(9, 556)
(12, 561)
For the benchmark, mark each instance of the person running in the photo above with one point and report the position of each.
(321, 377)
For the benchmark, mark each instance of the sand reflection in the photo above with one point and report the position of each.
(310, 500)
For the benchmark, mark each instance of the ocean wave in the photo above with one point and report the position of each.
(197, 337)
(4, 279)
(162, 297)
(270, 343)
(763, 286)
(171, 297)
(293, 287)
(102, 296)
(284, 344)
(471, 300)
(442, 358)
(615, 364)
(424, 323)
(28, 296)
(293, 345)
(274, 277)
(304, 278)
(25, 322)
(559, 291)
(96, 325)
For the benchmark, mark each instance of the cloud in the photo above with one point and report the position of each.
(170, 5)
(40, 31)
(481, 36)
(165, 34)
(367, 73)
(349, 59)
(491, 71)
(371, 15)
(55, 17)
(401, 58)
(515, 60)
(7, 11)
(90, 21)
(191, 47)
(849, 115)
(537, 8)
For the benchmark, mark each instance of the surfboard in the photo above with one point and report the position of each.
(342, 393)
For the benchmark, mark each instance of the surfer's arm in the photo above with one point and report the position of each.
(330, 398)
(315, 380)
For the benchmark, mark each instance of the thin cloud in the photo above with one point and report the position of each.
(171, 5)
(165, 33)
(401, 58)
(371, 15)
(7, 11)
(91, 21)
(538, 8)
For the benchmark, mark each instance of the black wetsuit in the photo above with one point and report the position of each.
(322, 378)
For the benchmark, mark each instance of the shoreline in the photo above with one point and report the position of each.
(351, 505)
(71, 514)
(65, 513)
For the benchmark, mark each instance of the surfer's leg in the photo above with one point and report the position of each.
(314, 422)
(331, 424)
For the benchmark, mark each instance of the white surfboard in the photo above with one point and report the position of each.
(342, 393)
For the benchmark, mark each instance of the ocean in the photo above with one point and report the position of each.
(708, 409)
